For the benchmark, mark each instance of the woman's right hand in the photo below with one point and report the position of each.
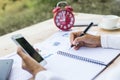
(86, 40)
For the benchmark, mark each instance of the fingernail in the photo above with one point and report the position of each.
(74, 42)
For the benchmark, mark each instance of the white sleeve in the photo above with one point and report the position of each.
(47, 75)
(110, 41)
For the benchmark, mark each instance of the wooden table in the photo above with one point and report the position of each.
(41, 31)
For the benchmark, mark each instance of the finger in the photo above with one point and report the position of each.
(37, 50)
(72, 37)
(26, 58)
(23, 65)
(22, 54)
(78, 40)
(79, 45)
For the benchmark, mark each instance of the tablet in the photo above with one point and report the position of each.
(5, 68)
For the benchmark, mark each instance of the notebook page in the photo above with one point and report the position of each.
(72, 69)
(61, 42)
(100, 54)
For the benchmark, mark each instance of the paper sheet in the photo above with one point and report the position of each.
(67, 66)
(62, 38)
(72, 69)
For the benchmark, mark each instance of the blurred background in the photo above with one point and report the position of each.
(17, 14)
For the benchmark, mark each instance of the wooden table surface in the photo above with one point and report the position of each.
(41, 31)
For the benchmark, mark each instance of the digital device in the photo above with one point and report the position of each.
(5, 68)
(27, 48)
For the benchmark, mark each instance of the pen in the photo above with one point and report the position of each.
(84, 32)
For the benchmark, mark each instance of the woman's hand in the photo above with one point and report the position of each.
(87, 40)
(29, 63)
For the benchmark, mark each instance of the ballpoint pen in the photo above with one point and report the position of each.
(83, 33)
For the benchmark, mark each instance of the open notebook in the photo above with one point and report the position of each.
(77, 66)
(83, 64)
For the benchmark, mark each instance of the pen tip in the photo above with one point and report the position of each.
(71, 45)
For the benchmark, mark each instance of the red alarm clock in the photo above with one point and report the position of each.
(63, 16)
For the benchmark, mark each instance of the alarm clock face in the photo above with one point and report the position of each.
(64, 19)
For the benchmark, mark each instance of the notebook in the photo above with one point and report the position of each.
(83, 64)
(74, 66)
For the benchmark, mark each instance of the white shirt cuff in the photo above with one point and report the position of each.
(110, 41)
(104, 41)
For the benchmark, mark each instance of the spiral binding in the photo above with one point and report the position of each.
(81, 58)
